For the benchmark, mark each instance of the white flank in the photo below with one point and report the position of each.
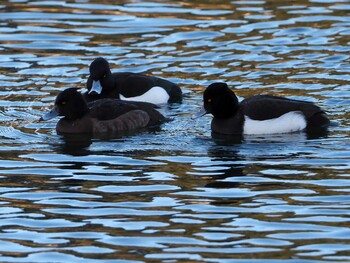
(289, 122)
(156, 95)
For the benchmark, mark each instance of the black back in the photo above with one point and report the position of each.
(263, 107)
(108, 109)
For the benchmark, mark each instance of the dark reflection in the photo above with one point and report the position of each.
(233, 171)
(75, 144)
(223, 139)
(226, 148)
(78, 144)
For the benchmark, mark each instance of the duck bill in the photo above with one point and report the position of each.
(200, 113)
(50, 115)
(96, 87)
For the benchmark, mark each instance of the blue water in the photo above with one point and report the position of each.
(178, 193)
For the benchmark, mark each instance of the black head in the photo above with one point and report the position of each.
(220, 101)
(71, 104)
(99, 69)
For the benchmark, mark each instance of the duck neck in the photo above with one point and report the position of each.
(108, 83)
(228, 107)
(80, 110)
(232, 125)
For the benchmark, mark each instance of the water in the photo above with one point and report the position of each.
(178, 193)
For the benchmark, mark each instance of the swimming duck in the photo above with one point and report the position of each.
(102, 83)
(101, 116)
(259, 114)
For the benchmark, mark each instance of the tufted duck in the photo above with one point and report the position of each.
(102, 83)
(259, 114)
(101, 116)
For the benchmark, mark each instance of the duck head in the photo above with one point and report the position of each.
(219, 100)
(69, 104)
(100, 76)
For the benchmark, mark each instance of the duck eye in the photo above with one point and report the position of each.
(63, 102)
(104, 76)
(209, 100)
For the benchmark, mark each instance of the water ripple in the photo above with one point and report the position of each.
(178, 193)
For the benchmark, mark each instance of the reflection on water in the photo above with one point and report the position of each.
(178, 193)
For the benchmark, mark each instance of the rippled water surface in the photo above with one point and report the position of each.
(177, 194)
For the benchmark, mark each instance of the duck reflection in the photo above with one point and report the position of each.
(225, 151)
(238, 153)
(75, 144)
(79, 144)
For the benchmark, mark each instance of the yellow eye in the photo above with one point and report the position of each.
(209, 100)
(63, 102)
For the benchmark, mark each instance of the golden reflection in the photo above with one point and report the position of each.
(195, 197)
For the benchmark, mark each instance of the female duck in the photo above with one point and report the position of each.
(102, 83)
(259, 114)
(102, 116)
